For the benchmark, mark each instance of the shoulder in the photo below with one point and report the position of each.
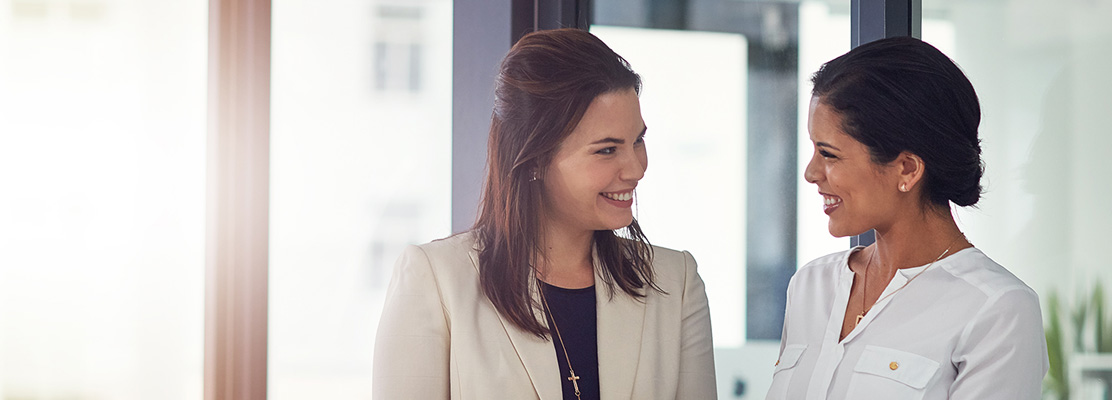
(446, 254)
(823, 268)
(983, 275)
(821, 275)
(669, 257)
(1004, 313)
(672, 269)
(669, 261)
(832, 261)
(460, 242)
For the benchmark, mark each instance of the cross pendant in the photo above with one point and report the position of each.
(859, 316)
(574, 381)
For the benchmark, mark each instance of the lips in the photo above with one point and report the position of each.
(830, 203)
(622, 199)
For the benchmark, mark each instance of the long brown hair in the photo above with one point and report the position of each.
(543, 88)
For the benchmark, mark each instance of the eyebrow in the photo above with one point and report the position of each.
(824, 144)
(619, 141)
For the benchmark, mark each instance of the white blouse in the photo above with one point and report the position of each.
(965, 329)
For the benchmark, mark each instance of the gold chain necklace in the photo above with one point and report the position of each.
(571, 371)
(865, 284)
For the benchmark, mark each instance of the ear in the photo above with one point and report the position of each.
(910, 168)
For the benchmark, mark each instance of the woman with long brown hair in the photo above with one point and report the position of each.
(555, 293)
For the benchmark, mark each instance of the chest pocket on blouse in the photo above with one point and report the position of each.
(785, 367)
(883, 373)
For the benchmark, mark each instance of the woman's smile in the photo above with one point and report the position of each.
(830, 202)
(622, 199)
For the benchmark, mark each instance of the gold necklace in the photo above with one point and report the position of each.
(865, 283)
(571, 371)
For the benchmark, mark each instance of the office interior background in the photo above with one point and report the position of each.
(105, 109)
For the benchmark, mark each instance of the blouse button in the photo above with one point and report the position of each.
(893, 365)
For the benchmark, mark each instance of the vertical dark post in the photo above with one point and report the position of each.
(563, 14)
(863, 239)
(878, 19)
(668, 14)
(771, 168)
(482, 33)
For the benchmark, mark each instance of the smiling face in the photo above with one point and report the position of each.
(858, 194)
(589, 183)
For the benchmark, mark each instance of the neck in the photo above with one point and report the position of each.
(917, 241)
(566, 258)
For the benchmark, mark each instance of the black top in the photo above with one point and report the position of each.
(574, 311)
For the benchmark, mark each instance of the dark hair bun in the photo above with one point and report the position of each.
(902, 94)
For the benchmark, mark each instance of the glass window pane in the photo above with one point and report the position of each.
(361, 167)
(102, 165)
(1041, 72)
(823, 35)
(696, 153)
(726, 89)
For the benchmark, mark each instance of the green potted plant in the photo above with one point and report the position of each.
(1080, 333)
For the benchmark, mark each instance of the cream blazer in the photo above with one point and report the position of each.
(440, 338)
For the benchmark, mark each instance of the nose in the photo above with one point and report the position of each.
(634, 165)
(812, 173)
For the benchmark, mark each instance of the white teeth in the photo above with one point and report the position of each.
(830, 201)
(619, 196)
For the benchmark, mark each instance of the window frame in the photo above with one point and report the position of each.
(238, 151)
(237, 200)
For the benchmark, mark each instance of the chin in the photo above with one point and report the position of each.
(842, 231)
(616, 224)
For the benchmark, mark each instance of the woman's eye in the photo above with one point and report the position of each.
(826, 154)
(640, 139)
(607, 151)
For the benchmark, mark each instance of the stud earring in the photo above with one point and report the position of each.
(534, 178)
(903, 187)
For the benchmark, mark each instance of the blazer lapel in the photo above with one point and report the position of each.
(620, 323)
(537, 355)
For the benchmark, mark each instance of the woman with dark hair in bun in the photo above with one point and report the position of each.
(921, 313)
(555, 293)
